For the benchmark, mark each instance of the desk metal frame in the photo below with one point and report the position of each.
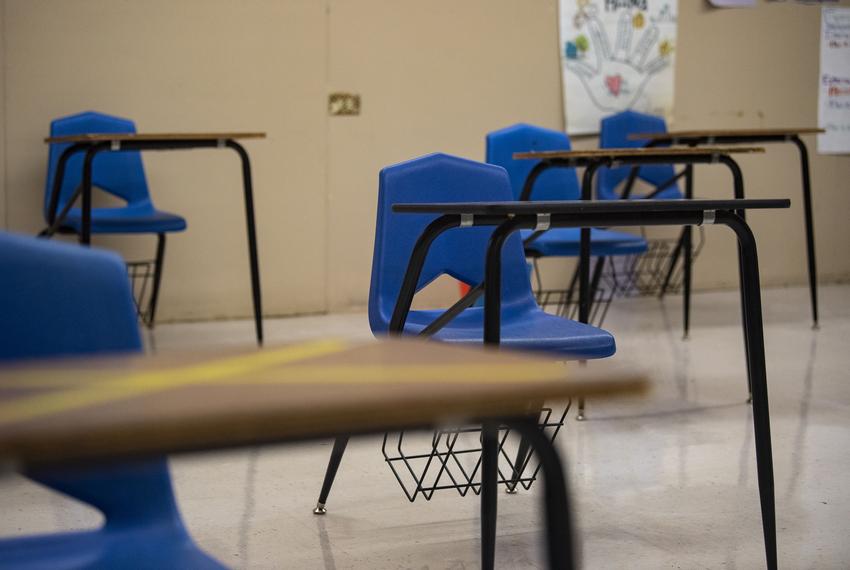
(508, 218)
(696, 140)
(592, 164)
(121, 143)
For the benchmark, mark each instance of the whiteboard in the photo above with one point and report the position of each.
(834, 81)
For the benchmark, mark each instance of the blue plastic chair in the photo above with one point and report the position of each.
(459, 253)
(553, 184)
(118, 173)
(614, 133)
(58, 300)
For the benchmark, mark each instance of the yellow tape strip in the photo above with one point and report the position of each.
(42, 378)
(155, 381)
(408, 373)
(324, 374)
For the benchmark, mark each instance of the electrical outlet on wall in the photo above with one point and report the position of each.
(343, 104)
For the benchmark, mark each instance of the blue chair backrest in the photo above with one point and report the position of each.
(457, 252)
(59, 299)
(553, 184)
(119, 173)
(614, 133)
(62, 299)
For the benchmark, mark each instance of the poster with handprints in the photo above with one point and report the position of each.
(616, 55)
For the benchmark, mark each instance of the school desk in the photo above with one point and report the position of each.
(593, 160)
(61, 412)
(694, 138)
(92, 144)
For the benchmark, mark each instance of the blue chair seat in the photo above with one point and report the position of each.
(147, 548)
(132, 219)
(528, 328)
(566, 242)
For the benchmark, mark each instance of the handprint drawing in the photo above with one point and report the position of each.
(615, 78)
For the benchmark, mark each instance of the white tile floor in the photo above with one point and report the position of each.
(664, 482)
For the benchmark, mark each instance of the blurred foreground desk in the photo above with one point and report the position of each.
(54, 414)
(95, 143)
(756, 136)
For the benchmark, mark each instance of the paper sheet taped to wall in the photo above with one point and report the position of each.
(616, 55)
(834, 83)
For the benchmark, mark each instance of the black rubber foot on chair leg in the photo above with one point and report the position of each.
(815, 326)
(320, 509)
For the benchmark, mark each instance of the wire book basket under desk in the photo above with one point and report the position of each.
(565, 300)
(657, 271)
(450, 458)
(141, 275)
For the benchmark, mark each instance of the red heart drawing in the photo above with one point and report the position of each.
(613, 83)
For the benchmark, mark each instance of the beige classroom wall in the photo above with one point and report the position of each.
(433, 76)
(192, 65)
(759, 68)
(439, 75)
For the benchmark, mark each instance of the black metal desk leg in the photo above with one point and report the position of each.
(524, 450)
(584, 300)
(687, 244)
(414, 270)
(522, 456)
(761, 412)
(810, 226)
(745, 324)
(559, 536)
(584, 264)
(493, 282)
(489, 483)
(340, 443)
(85, 229)
(157, 279)
(53, 223)
(60, 217)
(738, 183)
(528, 186)
(687, 261)
(252, 237)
